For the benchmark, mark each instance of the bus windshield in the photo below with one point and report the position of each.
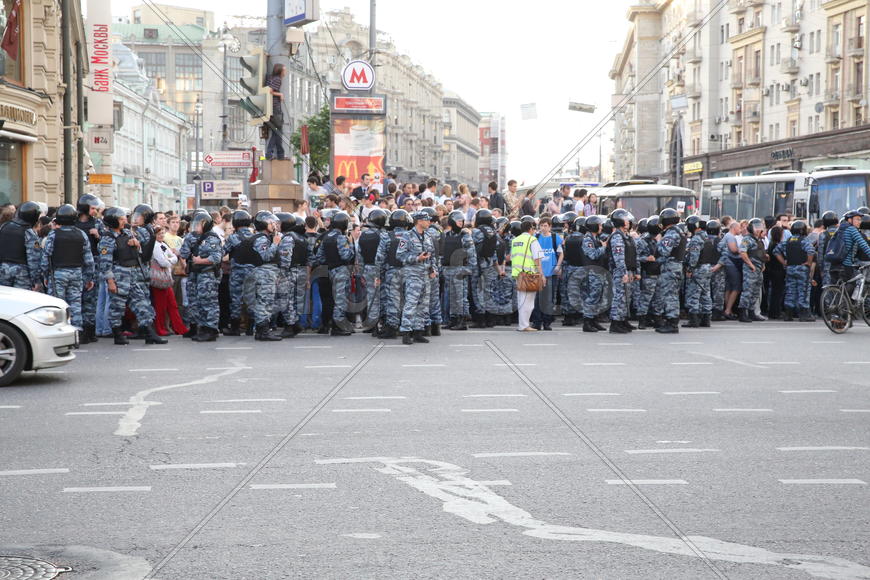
(840, 194)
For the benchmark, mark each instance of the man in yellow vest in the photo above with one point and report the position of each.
(526, 256)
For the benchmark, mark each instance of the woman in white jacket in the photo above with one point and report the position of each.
(162, 296)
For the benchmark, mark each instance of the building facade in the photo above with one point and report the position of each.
(492, 165)
(461, 142)
(759, 76)
(31, 103)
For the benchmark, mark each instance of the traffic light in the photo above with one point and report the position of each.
(259, 104)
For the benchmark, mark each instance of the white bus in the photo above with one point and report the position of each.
(804, 195)
(644, 198)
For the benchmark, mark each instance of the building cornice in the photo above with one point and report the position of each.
(748, 37)
(840, 6)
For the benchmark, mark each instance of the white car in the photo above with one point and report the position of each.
(35, 333)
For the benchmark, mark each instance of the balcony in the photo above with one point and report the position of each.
(832, 97)
(694, 55)
(753, 111)
(736, 82)
(854, 92)
(737, 117)
(693, 90)
(753, 78)
(791, 24)
(694, 18)
(789, 66)
(855, 46)
(737, 6)
(833, 54)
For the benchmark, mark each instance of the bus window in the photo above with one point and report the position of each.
(607, 205)
(707, 201)
(641, 207)
(745, 201)
(685, 204)
(729, 201)
(840, 194)
(784, 200)
(764, 201)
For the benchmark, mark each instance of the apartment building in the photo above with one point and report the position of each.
(461, 141)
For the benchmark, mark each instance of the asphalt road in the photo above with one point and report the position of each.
(736, 452)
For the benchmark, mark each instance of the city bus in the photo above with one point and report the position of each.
(804, 195)
(644, 198)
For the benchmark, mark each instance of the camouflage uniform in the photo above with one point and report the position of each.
(621, 250)
(416, 278)
(486, 273)
(285, 303)
(671, 277)
(752, 281)
(505, 287)
(717, 280)
(26, 274)
(203, 280)
(261, 284)
(238, 272)
(433, 312)
(595, 276)
(797, 276)
(391, 281)
(131, 292)
(89, 297)
(647, 303)
(698, 298)
(457, 270)
(68, 283)
(339, 270)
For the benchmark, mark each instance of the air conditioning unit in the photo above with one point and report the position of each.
(804, 82)
(765, 92)
(718, 120)
(797, 43)
(714, 137)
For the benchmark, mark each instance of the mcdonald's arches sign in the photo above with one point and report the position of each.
(358, 75)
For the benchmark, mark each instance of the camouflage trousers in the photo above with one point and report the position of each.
(797, 287)
(481, 284)
(595, 298)
(717, 289)
(456, 287)
(290, 293)
(570, 290)
(433, 312)
(132, 293)
(238, 274)
(416, 289)
(391, 296)
(340, 278)
(752, 282)
(668, 289)
(15, 275)
(504, 294)
(370, 274)
(698, 297)
(647, 303)
(202, 298)
(68, 284)
(260, 287)
(620, 305)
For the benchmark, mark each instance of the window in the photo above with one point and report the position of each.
(818, 41)
(809, 125)
(835, 120)
(155, 64)
(10, 68)
(784, 199)
(812, 46)
(188, 72)
(137, 17)
(776, 132)
(778, 52)
(772, 53)
(859, 26)
(835, 40)
(764, 201)
(859, 116)
(722, 35)
(745, 201)
(200, 21)
(818, 83)
(11, 172)
(839, 194)
(793, 128)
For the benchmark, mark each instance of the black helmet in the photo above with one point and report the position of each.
(850, 214)
(594, 224)
(579, 224)
(421, 215)
(66, 215)
(557, 223)
(454, 218)
(29, 212)
(528, 218)
(864, 210)
(668, 217)
(299, 227)
(830, 219)
(203, 217)
(694, 222)
(621, 217)
(86, 202)
(641, 226)
(607, 227)
(400, 219)
(378, 217)
(799, 228)
(288, 221)
(568, 217)
(433, 215)
(340, 221)
(755, 225)
(516, 228)
(714, 228)
(865, 222)
(262, 220)
(112, 216)
(241, 219)
(653, 226)
(144, 211)
(502, 224)
(326, 214)
(483, 217)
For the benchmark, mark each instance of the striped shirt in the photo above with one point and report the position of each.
(854, 242)
(275, 85)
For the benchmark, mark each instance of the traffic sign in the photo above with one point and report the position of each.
(221, 189)
(229, 159)
(358, 75)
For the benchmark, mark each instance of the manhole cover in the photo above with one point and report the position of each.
(20, 568)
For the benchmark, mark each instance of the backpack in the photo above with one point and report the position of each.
(835, 252)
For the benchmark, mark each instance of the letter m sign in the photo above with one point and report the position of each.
(358, 75)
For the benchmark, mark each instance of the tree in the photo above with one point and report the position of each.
(318, 141)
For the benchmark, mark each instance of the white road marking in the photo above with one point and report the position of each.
(312, 347)
(499, 395)
(293, 486)
(10, 406)
(823, 482)
(362, 536)
(857, 362)
(227, 368)
(463, 345)
(127, 404)
(490, 410)
(153, 370)
(681, 343)
(603, 364)
(647, 482)
(168, 466)
(396, 346)
(541, 344)
(449, 485)
(615, 344)
(249, 401)
(673, 442)
(801, 391)
(729, 360)
(328, 367)
(34, 471)
(778, 362)
(50, 372)
(96, 413)
(826, 448)
(855, 410)
(362, 410)
(616, 410)
(423, 366)
(692, 393)
(828, 342)
(102, 489)
(375, 398)
(675, 450)
(234, 348)
(151, 349)
(756, 342)
(230, 411)
(691, 363)
(591, 394)
(519, 454)
(743, 410)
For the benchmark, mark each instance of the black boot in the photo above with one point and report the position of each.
(88, 334)
(428, 330)
(705, 321)
(597, 324)
(206, 334)
(234, 328)
(589, 325)
(744, 315)
(120, 339)
(264, 333)
(192, 331)
(151, 336)
(787, 315)
(806, 316)
(718, 316)
(389, 332)
(338, 331)
(694, 321)
(669, 326)
(460, 323)
(569, 320)
(140, 334)
(618, 327)
(629, 326)
(289, 331)
(418, 337)
(450, 323)
(478, 321)
(490, 320)
(641, 322)
(436, 329)
(407, 338)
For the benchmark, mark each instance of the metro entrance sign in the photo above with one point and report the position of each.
(229, 159)
(358, 75)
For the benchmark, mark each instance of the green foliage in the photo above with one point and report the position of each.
(318, 140)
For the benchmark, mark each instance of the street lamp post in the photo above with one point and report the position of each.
(197, 181)
(197, 109)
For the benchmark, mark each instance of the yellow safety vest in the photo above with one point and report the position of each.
(521, 255)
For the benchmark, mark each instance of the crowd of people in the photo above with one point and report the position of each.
(414, 264)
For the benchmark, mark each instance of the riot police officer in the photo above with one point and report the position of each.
(415, 251)
(370, 240)
(671, 254)
(458, 261)
(238, 272)
(20, 250)
(87, 207)
(337, 253)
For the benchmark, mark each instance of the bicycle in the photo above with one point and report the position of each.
(840, 306)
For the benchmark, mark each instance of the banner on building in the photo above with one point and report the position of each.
(99, 34)
(359, 139)
(12, 34)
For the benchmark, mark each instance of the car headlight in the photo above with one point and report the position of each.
(48, 315)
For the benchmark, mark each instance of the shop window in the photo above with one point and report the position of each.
(11, 172)
(10, 66)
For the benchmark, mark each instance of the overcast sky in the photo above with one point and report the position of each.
(497, 58)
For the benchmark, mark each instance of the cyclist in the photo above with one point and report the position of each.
(854, 242)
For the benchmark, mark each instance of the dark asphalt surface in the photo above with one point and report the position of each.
(748, 446)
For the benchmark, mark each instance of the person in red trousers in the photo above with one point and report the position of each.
(162, 296)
